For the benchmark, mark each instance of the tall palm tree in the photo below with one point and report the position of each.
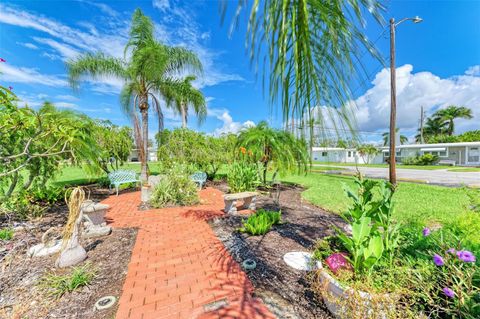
(147, 69)
(451, 113)
(276, 147)
(311, 51)
(182, 95)
(386, 137)
(433, 126)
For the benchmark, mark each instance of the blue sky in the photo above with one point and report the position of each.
(438, 60)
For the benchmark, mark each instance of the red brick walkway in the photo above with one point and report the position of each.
(178, 267)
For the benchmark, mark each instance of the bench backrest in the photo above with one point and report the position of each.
(122, 176)
(199, 176)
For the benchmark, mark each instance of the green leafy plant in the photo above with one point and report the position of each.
(48, 194)
(422, 160)
(6, 233)
(374, 233)
(242, 176)
(57, 285)
(175, 189)
(261, 222)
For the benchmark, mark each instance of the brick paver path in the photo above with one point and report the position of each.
(178, 268)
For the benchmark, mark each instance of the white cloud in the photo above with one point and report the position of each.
(66, 51)
(473, 70)
(66, 105)
(28, 45)
(11, 74)
(161, 4)
(67, 97)
(415, 90)
(229, 125)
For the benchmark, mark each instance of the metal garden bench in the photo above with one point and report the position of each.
(120, 177)
(199, 178)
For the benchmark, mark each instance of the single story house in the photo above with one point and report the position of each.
(152, 155)
(463, 153)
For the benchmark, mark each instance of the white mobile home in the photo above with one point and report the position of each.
(464, 153)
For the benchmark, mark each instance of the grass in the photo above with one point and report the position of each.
(464, 169)
(426, 167)
(413, 202)
(6, 233)
(57, 285)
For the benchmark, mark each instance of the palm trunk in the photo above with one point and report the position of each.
(450, 128)
(144, 164)
(184, 115)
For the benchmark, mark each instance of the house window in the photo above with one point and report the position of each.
(437, 153)
(324, 154)
(349, 154)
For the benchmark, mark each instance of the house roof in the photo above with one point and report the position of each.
(436, 145)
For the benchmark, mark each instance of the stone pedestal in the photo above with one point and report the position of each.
(94, 219)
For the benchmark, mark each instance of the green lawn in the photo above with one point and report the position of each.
(426, 167)
(465, 169)
(414, 202)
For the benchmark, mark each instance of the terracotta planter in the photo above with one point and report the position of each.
(345, 302)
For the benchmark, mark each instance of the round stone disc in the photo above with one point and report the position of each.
(300, 260)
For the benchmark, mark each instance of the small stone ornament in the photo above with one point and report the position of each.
(94, 219)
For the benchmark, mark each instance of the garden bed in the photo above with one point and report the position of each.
(20, 294)
(286, 290)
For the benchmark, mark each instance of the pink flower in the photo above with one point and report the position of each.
(3, 60)
(10, 88)
(337, 262)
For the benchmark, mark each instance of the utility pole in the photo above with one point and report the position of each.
(393, 98)
(422, 114)
(393, 106)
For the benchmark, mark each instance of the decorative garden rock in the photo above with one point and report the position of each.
(94, 217)
(72, 252)
(50, 244)
(301, 261)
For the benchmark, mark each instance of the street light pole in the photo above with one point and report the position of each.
(393, 99)
(393, 106)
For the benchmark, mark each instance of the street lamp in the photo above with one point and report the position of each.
(393, 96)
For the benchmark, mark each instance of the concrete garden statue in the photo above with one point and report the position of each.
(72, 252)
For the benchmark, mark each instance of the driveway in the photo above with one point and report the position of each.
(440, 176)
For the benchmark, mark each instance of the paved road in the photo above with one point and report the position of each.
(440, 176)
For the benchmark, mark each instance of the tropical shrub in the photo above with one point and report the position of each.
(367, 152)
(421, 160)
(261, 222)
(115, 144)
(175, 189)
(274, 149)
(205, 153)
(242, 176)
(48, 194)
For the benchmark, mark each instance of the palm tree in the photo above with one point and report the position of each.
(311, 51)
(276, 147)
(386, 137)
(147, 70)
(449, 114)
(182, 94)
(433, 126)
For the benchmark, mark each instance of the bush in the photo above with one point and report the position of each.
(175, 189)
(20, 206)
(57, 285)
(243, 177)
(48, 194)
(425, 159)
(6, 233)
(261, 222)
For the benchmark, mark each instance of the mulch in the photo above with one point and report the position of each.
(286, 290)
(20, 294)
